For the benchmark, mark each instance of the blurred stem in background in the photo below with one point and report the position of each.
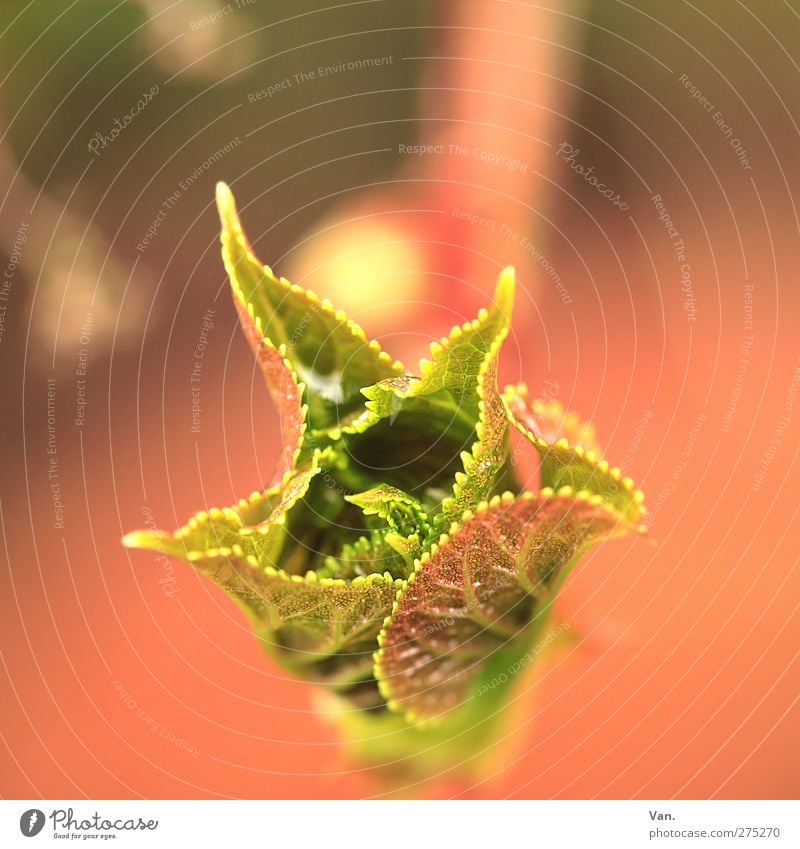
(479, 81)
(492, 89)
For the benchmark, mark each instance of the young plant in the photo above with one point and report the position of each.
(395, 561)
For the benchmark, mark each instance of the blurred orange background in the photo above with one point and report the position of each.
(125, 678)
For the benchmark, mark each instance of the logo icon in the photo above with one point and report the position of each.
(31, 822)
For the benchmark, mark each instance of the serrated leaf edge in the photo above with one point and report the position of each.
(455, 527)
(502, 303)
(230, 514)
(229, 216)
(590, 456)
(469, 458)
(281, 351)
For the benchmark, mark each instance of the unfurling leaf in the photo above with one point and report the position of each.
(400, 523)
(478, 593)
(386, 510)
(284, 389)
(330, 354)
(401, 511)
(322, 628)
(461, 380)
(256, 526)
(549, 421)
(565, 461)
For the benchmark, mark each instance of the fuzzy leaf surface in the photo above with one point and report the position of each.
(565, 463)
(548, 420)
(480, 592)
(484, 461)
(400, 511)
(461, 377)
(329, 354)
(324, 627)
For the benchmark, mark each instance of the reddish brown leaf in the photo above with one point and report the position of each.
(480, 590)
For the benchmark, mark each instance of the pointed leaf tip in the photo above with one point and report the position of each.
(146, 540)
(569, 452)
(225, 201)
(228, 214)
(138, 539)
(504, 291)
(131, 540)
(320, 347)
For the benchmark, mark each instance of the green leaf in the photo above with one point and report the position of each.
(408, 547)
(461, 378)
(455, 363)
(284, 387)
(329, 354)
(253, 527)
(400, 524)
(490, 450)
(399, 510)
(564, 463)
(386, 553)
(549, 421)
(480, 593)
(322, 627)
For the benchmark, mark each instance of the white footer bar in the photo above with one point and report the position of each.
(398, 825)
